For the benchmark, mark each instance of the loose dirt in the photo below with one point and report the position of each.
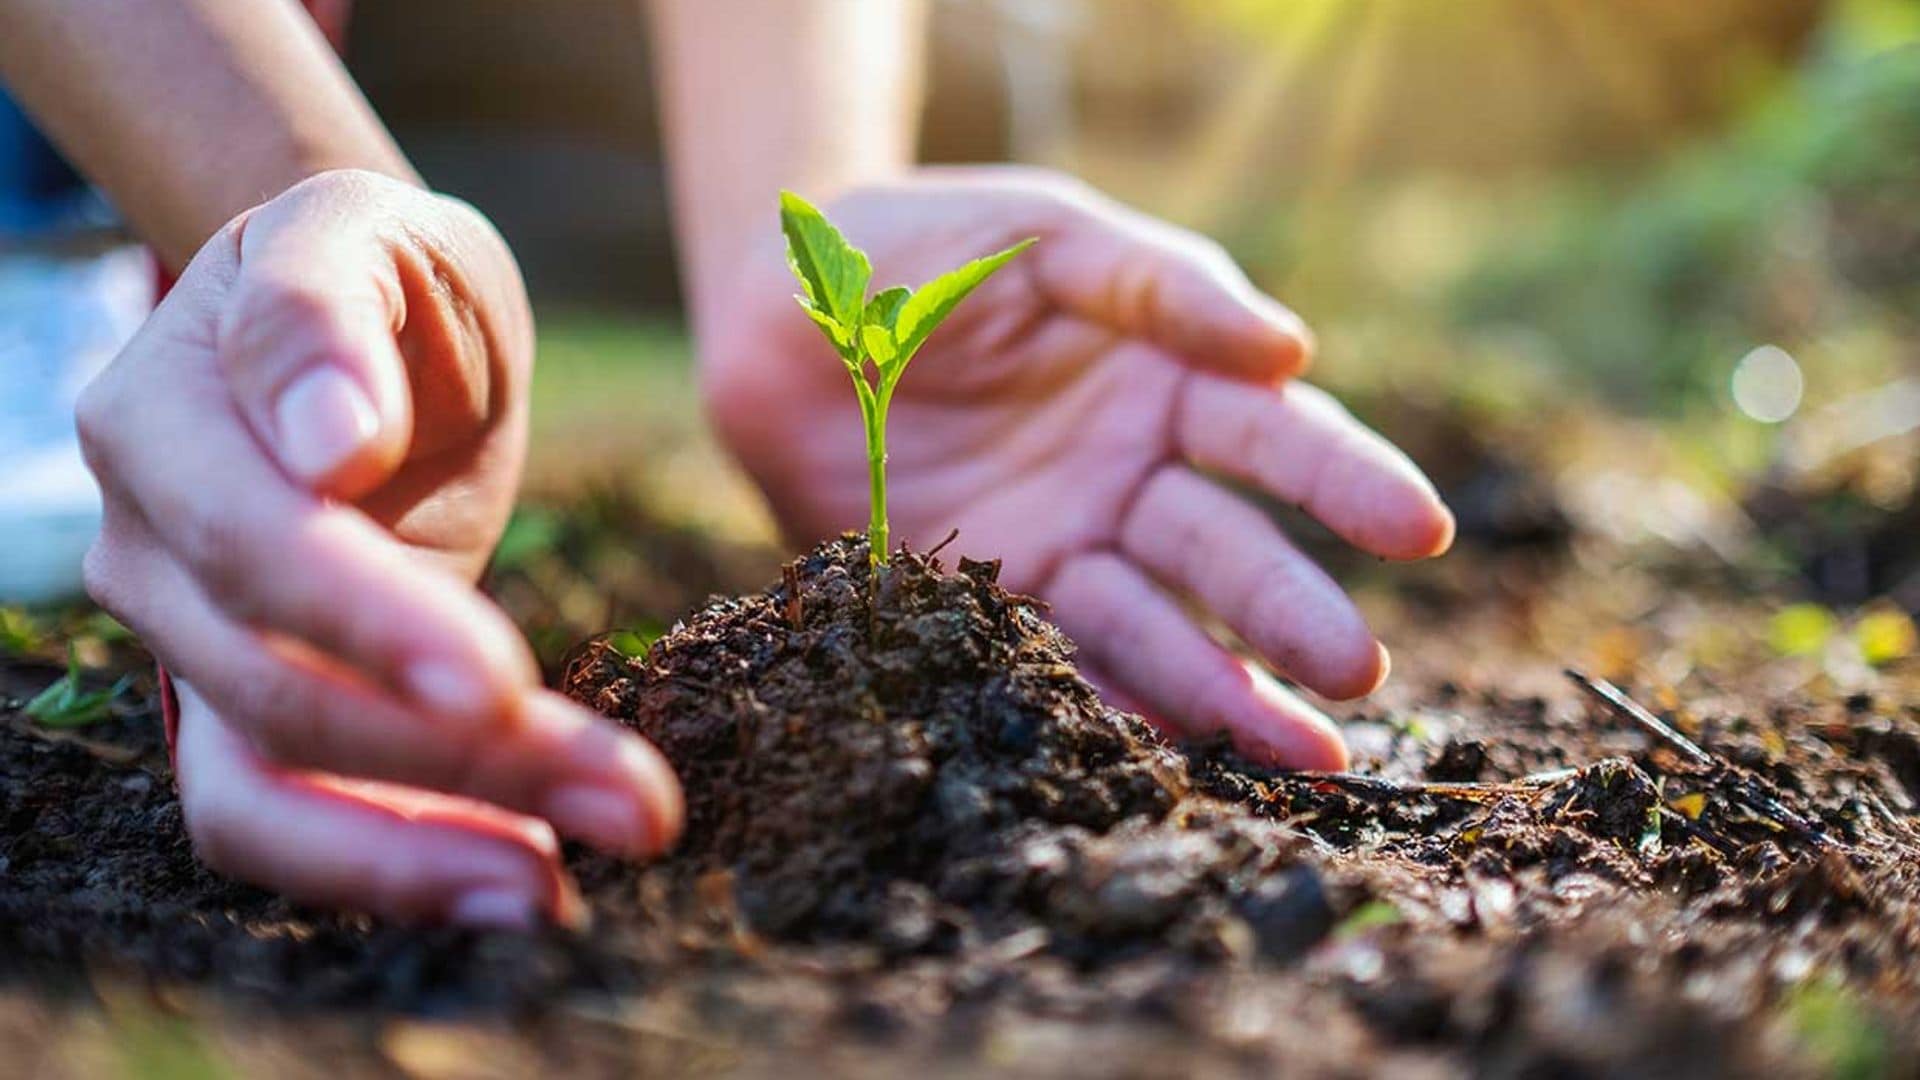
(916, 837)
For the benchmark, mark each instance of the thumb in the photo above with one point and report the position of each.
(307, 338)
(1178, 290)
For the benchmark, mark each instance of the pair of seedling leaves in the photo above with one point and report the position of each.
(887, 328)
(884, 330)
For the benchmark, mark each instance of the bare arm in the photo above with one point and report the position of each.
(813, 95)
(189, 111)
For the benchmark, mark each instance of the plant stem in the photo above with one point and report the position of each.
(877, 478)
(873, 416)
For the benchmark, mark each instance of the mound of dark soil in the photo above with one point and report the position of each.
(918, 839)
(913, 763)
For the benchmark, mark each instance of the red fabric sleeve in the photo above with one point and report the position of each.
(169, 712)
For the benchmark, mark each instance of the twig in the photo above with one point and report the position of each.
(1740, 786)
(1622, 705)
(794, 609)
(1756, 798)
(942, 545)
(1463, 791)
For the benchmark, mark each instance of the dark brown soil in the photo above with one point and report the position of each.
(917, 836)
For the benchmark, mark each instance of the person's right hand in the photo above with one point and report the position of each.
(307, 455)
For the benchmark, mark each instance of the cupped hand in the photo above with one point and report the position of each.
(307, 454)
(1075, 418)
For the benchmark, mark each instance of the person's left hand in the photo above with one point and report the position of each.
(1065, 420)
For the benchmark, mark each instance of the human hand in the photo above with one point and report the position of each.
(307, 455)
(1064, 420)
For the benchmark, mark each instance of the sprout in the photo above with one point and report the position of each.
(66, 705)
(883, 331)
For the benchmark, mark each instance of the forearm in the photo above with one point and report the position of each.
(189, 111)
(812, 95)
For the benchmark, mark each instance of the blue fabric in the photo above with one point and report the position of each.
(39, 191)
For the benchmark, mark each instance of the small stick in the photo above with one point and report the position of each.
(1748, 792)
(1622, 705)
(1463, 790)
(942, 545)
(795, 609)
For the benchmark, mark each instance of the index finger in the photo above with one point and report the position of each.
(1298, 444)
(1124, 270)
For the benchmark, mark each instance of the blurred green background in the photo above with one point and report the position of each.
(1636, 281)
(1669, 250)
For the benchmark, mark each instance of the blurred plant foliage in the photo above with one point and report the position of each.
(1838, 1029)
(1800, 227)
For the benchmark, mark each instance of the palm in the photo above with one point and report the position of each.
(1054, 421)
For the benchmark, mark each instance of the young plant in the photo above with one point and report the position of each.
(66, 705)
(876, 336)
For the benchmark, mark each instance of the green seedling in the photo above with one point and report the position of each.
(66, 705)
(876, 336)
(636, 641)
(1367, 917)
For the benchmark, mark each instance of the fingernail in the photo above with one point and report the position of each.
(323, 419)
(601, 816)
(447, 689)
(495, 907)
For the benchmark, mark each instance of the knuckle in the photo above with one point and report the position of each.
(99, 573)
(1134, 293)
(95, 421)
(1205, 252)
(350, 186)
(287, 726)
(269, 311)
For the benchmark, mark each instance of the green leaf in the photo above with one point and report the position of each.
(934, 301)
(1801, 629)
(530, 533)
(879, 344)
(836, 334)
(884, 308)
(1885, 636)
(834, 272)
(65, 705)
(1368, 916)
(635, 642)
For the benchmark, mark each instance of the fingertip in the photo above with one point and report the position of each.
(1443, 531)
(1355, 676)
(1253, 337)
(477, 682)
(1423, 528)
(323, 420)
(665, 800)
(1293, 734)
(1317, 751)
(1288, 343)
(316, 369)
(450, 689)
(619, 794)
(493, 907)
